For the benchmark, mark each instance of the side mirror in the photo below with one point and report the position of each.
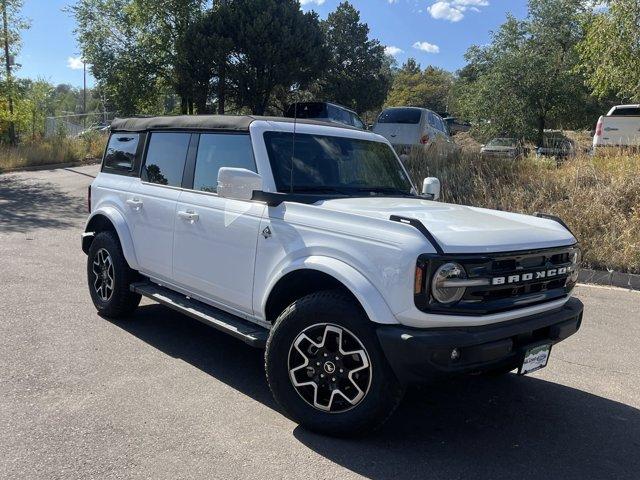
(238, 183)
(431, 187)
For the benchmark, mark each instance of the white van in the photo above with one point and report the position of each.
(406, 127)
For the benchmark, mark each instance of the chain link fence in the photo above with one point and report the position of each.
(74, 125)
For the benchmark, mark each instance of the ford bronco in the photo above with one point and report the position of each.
(311, 241)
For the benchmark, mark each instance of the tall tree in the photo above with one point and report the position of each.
(610, 51)
(12, 24)
(526, 80)
(357, 73)
(275, 45)
(131, 46)
(414, 87)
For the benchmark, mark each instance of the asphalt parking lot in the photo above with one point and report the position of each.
(162, 396)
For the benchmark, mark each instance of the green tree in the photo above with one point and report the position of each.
(610, 50)
(414, 87)
(275, 45)
(131, 46)
(526, 80)
(358, 73)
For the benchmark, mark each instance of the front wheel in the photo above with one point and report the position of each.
(326, 369)
(109, 277)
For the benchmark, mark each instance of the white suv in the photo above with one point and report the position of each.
(312, 242)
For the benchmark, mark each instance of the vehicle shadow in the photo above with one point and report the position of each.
(26, 205)
(506, 427)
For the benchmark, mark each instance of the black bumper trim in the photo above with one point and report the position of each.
(418, 355)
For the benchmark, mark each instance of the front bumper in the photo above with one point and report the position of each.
(419, 356)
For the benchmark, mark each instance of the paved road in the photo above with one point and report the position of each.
(163, 396)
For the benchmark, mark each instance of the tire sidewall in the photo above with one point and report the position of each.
(339, 310)
(109, 242)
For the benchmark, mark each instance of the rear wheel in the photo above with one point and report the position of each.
(326, 369)
(109, 277)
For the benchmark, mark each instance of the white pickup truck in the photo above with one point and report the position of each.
(312, 242)
(619, 128)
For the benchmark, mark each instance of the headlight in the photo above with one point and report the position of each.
(444, 286)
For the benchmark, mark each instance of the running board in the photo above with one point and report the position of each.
(249, 333)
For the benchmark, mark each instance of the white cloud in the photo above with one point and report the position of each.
(454, 10)
(393, 51)
(393, 1)
(309, 2)
(426, 47)
(75, 63)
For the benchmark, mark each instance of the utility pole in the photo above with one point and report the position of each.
(84, 94)
(7, 59)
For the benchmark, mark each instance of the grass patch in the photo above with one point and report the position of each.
(51, 151)
(598, 197)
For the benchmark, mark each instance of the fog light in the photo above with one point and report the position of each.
(455, 354)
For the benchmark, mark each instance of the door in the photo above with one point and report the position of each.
(215, 238)
(153, 203)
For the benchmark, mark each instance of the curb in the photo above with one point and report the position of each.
(610, 278)
(50, 166)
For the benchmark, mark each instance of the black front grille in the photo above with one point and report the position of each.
(499, 297)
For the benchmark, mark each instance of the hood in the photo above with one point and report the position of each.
(461, 229)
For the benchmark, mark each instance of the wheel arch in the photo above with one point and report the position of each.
(110, 219)
(316, 273)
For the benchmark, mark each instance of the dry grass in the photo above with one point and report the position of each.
(598, 197)
(52, 151)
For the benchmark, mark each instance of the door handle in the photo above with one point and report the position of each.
(134, 203)
(189, 215)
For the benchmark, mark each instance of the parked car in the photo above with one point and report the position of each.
(556, 145)
(619, 128)
(456, 125)
(317, 247)
(502, 147)
(329, 112)
(407, 127)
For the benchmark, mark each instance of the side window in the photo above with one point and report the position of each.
(166, 156)
(356, 122)
(440, 125)
(217, 150)
(432, 120)
(339, 115)
(121, 153)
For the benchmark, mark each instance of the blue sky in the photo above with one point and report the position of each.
(434, 32)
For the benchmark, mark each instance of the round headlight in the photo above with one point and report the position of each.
(442, 292)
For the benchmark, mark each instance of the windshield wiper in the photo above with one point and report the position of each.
(319, 190)
(385, 191)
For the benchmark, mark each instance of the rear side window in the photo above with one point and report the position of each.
(356, 122)
(121, 153)
(626, 112)
(401, 115)
(166, 157)
(217, 150)
(339, 115)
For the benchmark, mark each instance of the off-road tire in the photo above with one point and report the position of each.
(121, 301)
(335, 309)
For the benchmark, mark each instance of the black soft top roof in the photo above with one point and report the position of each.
(238, 123)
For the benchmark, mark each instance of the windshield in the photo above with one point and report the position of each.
(502, 142)
(326, 164)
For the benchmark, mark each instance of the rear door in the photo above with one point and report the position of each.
(622, 127)
(401, 126)
(152, 203)
(215, 238)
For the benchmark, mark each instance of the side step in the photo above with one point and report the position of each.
(249, 333)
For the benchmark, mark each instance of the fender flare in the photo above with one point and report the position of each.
(122, 229)
(362, 289)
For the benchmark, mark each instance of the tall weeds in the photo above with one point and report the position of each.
(598, 197)
(52, 151)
